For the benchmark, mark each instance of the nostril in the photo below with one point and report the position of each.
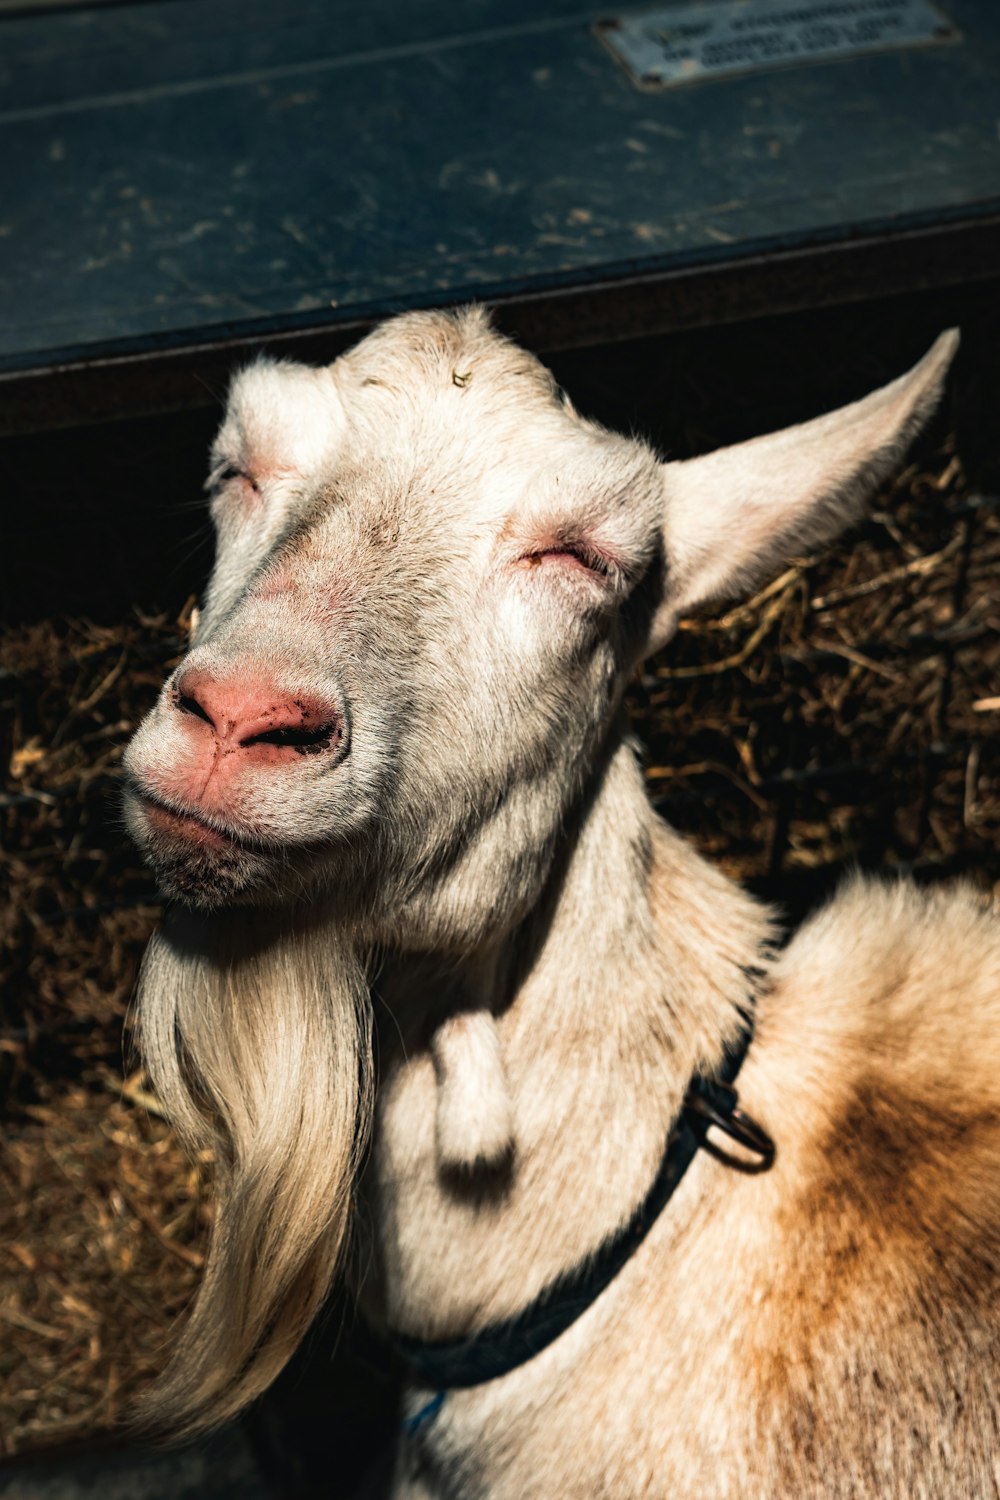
(309, 741)
(252, 714)
(189, 705)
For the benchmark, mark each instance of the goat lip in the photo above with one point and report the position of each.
(187, 825)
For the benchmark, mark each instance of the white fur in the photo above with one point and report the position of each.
(474, 1121)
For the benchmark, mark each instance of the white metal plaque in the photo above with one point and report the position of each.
(717, 38)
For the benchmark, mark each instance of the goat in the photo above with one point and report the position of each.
(391, 791)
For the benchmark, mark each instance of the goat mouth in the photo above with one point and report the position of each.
(206, 864)
(189, 827)
(199, 862)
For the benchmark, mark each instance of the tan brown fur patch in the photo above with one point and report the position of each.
(875, 1326)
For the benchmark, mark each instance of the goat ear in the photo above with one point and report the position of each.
(733, 516)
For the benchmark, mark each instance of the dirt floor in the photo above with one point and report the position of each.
(846, 715)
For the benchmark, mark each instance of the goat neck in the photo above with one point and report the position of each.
(568, 1047)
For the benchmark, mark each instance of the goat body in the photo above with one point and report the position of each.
(393, 767)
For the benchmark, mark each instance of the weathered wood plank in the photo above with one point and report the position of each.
(192, 171)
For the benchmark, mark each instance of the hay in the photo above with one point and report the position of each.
(101, 1218)
(845, 714)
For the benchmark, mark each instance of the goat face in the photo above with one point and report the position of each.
(432, 579)
(427, 589)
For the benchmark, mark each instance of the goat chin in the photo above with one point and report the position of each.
(256, 1031)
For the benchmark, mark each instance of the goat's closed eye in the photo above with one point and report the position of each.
(225, 474)
(573, 557)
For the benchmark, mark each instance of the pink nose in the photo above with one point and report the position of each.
(251, 717)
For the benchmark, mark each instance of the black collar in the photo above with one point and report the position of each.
(456, 1364)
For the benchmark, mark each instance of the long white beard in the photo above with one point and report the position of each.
(257, 1035)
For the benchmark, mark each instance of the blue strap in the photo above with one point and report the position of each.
(458, 1364)
(412, 1425)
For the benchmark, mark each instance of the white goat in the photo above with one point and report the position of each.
(393, 762)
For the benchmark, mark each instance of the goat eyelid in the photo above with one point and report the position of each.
(577, 555)
(224, 473)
